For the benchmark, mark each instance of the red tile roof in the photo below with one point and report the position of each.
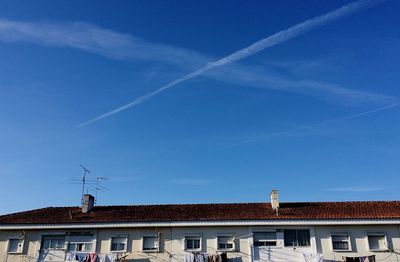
(209, 212)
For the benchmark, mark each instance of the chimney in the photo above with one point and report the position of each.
(275, 200)
(87, 203)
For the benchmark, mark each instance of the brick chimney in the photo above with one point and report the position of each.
(87, 203)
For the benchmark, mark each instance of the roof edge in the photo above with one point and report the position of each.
(204, 223)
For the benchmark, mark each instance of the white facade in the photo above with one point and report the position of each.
(243, 241)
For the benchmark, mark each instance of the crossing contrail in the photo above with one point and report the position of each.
(250, 50)
(293, 130)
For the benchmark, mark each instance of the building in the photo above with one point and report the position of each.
(246, 232)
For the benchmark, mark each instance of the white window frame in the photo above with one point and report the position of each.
(20, 245)
(74, 238)
(341, 235)
(81, 243)
(377, 234)
(119, 251)
(157, 249)
(267, 240)
(193, 237)
(232, 241)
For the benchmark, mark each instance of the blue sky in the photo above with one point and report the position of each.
(315, 116)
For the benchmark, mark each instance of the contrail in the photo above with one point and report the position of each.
(290, 131)
(252, 49)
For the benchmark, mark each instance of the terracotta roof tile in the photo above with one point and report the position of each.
(209, 212)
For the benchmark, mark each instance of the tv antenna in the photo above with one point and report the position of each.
(85, 173)
(99, 187)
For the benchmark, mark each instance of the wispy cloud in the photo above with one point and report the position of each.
(357, 189)
(260, 77)
(190, 181)
(94, 39)
(115, 45)
(250, 50)
(305, 127)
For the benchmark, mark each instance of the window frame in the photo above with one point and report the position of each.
(232, 241)
(65, 246)
(20, 245)
(119, 251)
(267, 240)
(377, 234)
(157, 249)
(296, 237)
(81, 238)
(341, 235)
(193, 237)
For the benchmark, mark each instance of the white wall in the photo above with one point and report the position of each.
(172, 242)
(359, 241)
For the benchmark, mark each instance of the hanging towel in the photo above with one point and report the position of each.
(111, 257)
(81, 257)
(310, 257)
(188, 257)
(70, 256)
(101, 258)
(92, 257)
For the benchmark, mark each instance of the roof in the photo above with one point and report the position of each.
(208, 212)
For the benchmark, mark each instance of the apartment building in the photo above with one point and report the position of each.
(237, 232)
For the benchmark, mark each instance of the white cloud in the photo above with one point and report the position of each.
(115, 45)
(94, 39)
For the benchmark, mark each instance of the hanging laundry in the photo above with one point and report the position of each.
(111, 257)
(224, 257)
(311, 257)
(212, 258)
(101, 257)
(92, 257)
(70, 256)
(360, 259)
(81, 257)
(370, 258)
(188, 257)
(199, 257)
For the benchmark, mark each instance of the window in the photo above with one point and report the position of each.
(193, 243)
(82, 242)
(118, 244)
(53, 242)
(341, 242)
(150, 243)
(83, 247)
(264, 239)
(377, 242)
(14, 245)
(226, 243)
(297, 237)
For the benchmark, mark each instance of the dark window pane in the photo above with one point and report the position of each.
(303, 238)
(340, 245)
(297, 237)
(290, 237)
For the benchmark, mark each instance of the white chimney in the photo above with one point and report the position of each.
(275, 200)
(87, 203)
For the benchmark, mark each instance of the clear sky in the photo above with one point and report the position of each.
(315, 116)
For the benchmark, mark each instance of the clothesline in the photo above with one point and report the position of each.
(90, 257)
(205, 257)
(360, 259)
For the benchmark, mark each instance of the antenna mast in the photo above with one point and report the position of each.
(98, 187)
(85, 172)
